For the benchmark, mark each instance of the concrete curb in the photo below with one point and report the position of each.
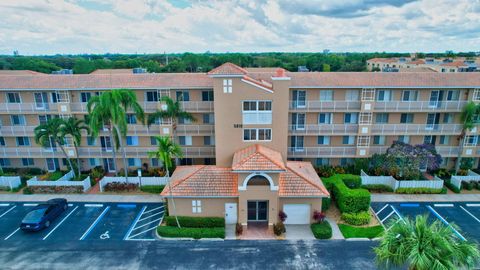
(82, 198)
(425, 197)
(357, 239)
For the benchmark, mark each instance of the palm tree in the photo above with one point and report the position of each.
(424, 245)
(173, 112)
(167, 149)
(73, 127)
(468, 117)
(50, 132)
(111, 108)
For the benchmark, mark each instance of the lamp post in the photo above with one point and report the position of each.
(139, 172)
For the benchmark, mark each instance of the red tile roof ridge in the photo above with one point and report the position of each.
(322, 188)
(258, 82)
(263, 148)
(218, 70)
(258, 150)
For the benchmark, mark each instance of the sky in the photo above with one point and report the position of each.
(36, 27)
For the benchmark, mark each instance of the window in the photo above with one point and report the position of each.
(349, 140)
(264, 134)
(326, 95)
(207, 95)
(131, 119)
(85, 97)
(298, 121)
(196, 206)
(296, 142)
(153, 140)
(52, 164)
(183, 96)
(132, 140)
(94, 162)
(209, 161)
(453, 95)
(352, 95)
(43, 119)
(2, 141)
(257, 106)
(379, 140)
(91, 141)
(208, 118)
(186, 161)
(428, 139)
(325, 118)
(134, 162)
(323, 140)
(322, 162)
(14, 98)
(346, 161)
(250, 134)
(299, 98)
(448, 118)
(227, 86)
(384, 95)
(257, 134)
(404, 138)
(444, 139)
(409, 95)
(27, 162)
(208, 140)
(185, 140)
(4, 162)
(18, 120)
(381, 118)
(155, 162)
(257, 112)
(406, 118)
(182, 120)
(151, 96)
(54, 97)
(470, 140)
(350, 118)
(23, 141)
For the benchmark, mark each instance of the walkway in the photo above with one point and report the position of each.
(336, 233)
(95, 189)
(425, 197)
(81, 198)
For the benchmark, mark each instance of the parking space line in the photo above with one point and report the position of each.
(445, 222)
(93, 205)
(4, 204)
(146, 212)
(156, 214)
(10, 235)
(473, 204)
(6, 212)
(127, 205)
(468, 212)
(134, 223)
(60, 223)
(94, 223)
(70, 204)
(30, 204)
(147, 230)
(409, 205)
(147, 224)
(386, 205)
(443, 204)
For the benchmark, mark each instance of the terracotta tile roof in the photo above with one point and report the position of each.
(228, 69)
(20, 72)
(383, 60)
(454, 64)
(108, 81)
(416, 62)
(417, 69)
(384, 79)
(200, 181)
(113, 71)
(261, 83)
(261, 69)
(257, 158)
(301, 180)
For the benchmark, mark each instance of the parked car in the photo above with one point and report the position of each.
(43, 215)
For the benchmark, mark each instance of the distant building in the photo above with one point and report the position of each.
(303, 69)
(459, 64)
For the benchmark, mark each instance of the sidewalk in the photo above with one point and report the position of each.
(336, 233)
(425, 197)
(81, 198)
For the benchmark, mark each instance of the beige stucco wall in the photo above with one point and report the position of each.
(211, 207)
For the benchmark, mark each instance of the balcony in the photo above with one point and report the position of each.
(16, 130)
(149, 107)
(28, 151)
(142, 152)
(325, 106)
(28, 107)
(419, 129)
(197, 106)
(323, 129)
(199, 130)
(444, 151)
(419, 106)
(315, 152)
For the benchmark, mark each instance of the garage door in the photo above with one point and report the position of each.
(297, 213)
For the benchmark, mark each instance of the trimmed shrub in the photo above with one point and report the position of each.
(467, 185)
(279, 228)
(352, 181)
(357, 219)
(321, 230)
(120, 187)
(453, 188)
(378, 188)
(348, 200)
(152, 189)
(360, 232)
(420, 190)
(326, 201)
(27, 190)
(196, 222)
(195, 233)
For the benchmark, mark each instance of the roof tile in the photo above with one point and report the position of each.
(257, 158)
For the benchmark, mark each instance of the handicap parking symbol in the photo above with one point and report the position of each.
(105, 236)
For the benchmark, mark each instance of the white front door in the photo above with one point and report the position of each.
(297, 213)
(230, 213)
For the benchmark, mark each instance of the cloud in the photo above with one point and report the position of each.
(130, 26)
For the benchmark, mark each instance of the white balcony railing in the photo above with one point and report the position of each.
(327, 129)
(195, 129)
(313, 152)
(28, 151)
(28, 107)
(420, 106)
(401, 129)
(142, 152)
(325, 105)
(16, 130)
(190, 106)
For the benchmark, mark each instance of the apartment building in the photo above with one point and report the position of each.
(413, 64)
(325, 118)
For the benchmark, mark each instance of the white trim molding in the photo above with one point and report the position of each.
(250, 176)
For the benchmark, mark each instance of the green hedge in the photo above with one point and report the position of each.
(195, 233)
(352, 181)
(322, 230)
(421, 190)
(360, 218)
(326, 201)
(360, 232)
(348, 200)
(378, 188)
(453, 188)
(152, 189)
(196, 222)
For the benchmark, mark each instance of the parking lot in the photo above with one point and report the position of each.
(463, 214)
(86, 222)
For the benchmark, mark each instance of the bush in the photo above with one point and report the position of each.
(152, 189)
(318, 216)
(196, 222)
(120, 187)
(360, 232)
(326, 201)
(195, 233)
(279, 228)
(420, 190)
(238, 229)
(51, 176)
(282, 216)
(97, 173)
(348, 200)
(360, 218)
(378, 188)
(321, 230)
(27, 190)
(56, 189)
(467, 185)
(453, 188)
(352, 181)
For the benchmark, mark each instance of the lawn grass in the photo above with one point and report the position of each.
(152, 189)
(360, 232)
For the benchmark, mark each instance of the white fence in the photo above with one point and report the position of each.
(64, 181)
(396, 184)
(141, 181)
(10, 181)
(456, 180)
